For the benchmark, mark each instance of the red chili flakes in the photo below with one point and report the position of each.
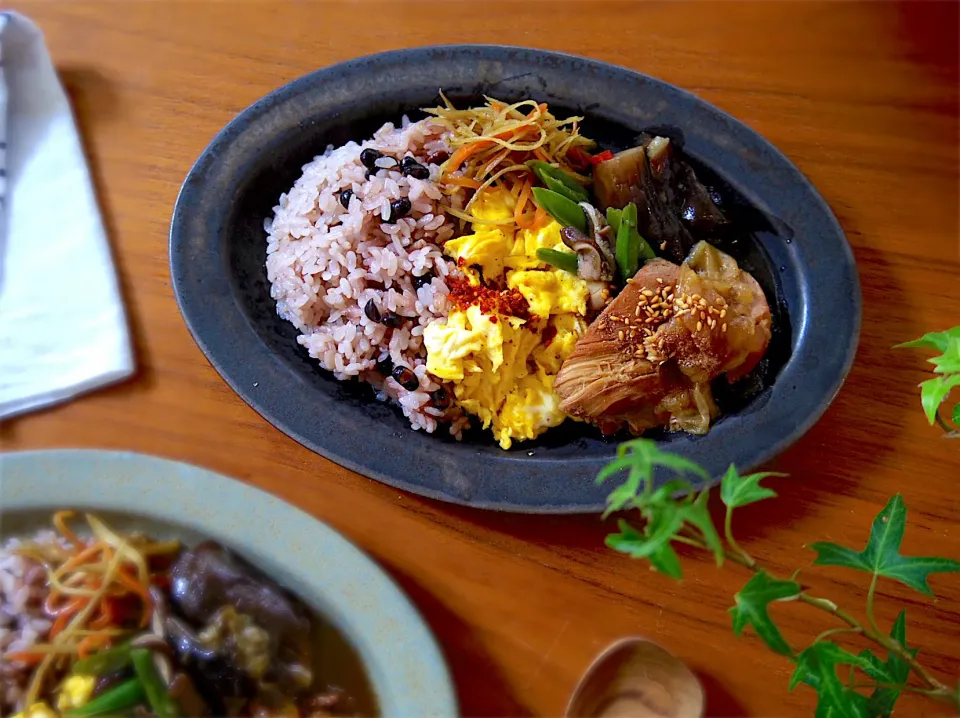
(509, 302)
(548, 334)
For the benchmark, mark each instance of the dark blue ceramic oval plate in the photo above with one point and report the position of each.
(791, 242)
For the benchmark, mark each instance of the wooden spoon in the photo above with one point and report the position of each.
(635, 678)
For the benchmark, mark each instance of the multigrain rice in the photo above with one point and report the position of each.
(326, 262)
(23, 623)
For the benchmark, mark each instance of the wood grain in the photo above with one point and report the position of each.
(862, 97)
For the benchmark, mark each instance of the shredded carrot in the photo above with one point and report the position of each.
(139, 589)
(60, 521)
(490, 146)
(65, 614)
(521, 220)
(104, 620)
(83, 557)
(491, 165)
(49, 604)
(540, 218)
(461, 155)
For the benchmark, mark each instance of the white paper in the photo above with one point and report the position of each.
(63, 330)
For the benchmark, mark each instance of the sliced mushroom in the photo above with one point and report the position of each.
(591, 265)
(601, 234)
(155, 640)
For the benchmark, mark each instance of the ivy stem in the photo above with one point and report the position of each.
(748, 560)
(835, 631)
(690, 541)
(943, 423)
(900, 687)
(937, 689)
(870, 595)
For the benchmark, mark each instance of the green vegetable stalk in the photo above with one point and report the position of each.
(566, 261)
(567, 212)
(871, 681)
(632, 250)
(162, 705)
(116, 700)
(104, 662)
(559, 181)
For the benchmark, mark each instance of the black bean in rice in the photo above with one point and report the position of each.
(327, 260)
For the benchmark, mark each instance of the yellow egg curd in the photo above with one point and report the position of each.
(502, 366)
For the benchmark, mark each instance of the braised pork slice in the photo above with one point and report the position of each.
(649, 358)
(721, 323)
(612, 376)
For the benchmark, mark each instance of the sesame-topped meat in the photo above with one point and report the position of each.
(648, 359)
(613, 376)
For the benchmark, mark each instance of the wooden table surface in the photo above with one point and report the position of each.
(862, 97)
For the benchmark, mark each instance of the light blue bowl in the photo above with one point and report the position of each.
(404, 665)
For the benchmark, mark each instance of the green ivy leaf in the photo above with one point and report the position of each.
(956, 415)
(882, 553)
(698, 514)
(949, 361)
(751, 608)
(933, 340)
(817, 667)
(666, 561)
(665, 494)
(658, 532)
(736, 490)
(653, 546)
(639, 458)
(934, 391)
(665, 515)
(894, 671)
(628, 541)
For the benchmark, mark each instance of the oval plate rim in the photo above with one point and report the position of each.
(238, 374)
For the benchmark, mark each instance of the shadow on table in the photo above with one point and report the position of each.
(481, 688)
(720, 704)
(929, 31)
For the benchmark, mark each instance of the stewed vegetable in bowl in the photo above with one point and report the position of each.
(122, 622)
(121, 607)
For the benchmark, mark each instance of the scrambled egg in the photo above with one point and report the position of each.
(503, 367)
(75, 692)
(37, 710)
